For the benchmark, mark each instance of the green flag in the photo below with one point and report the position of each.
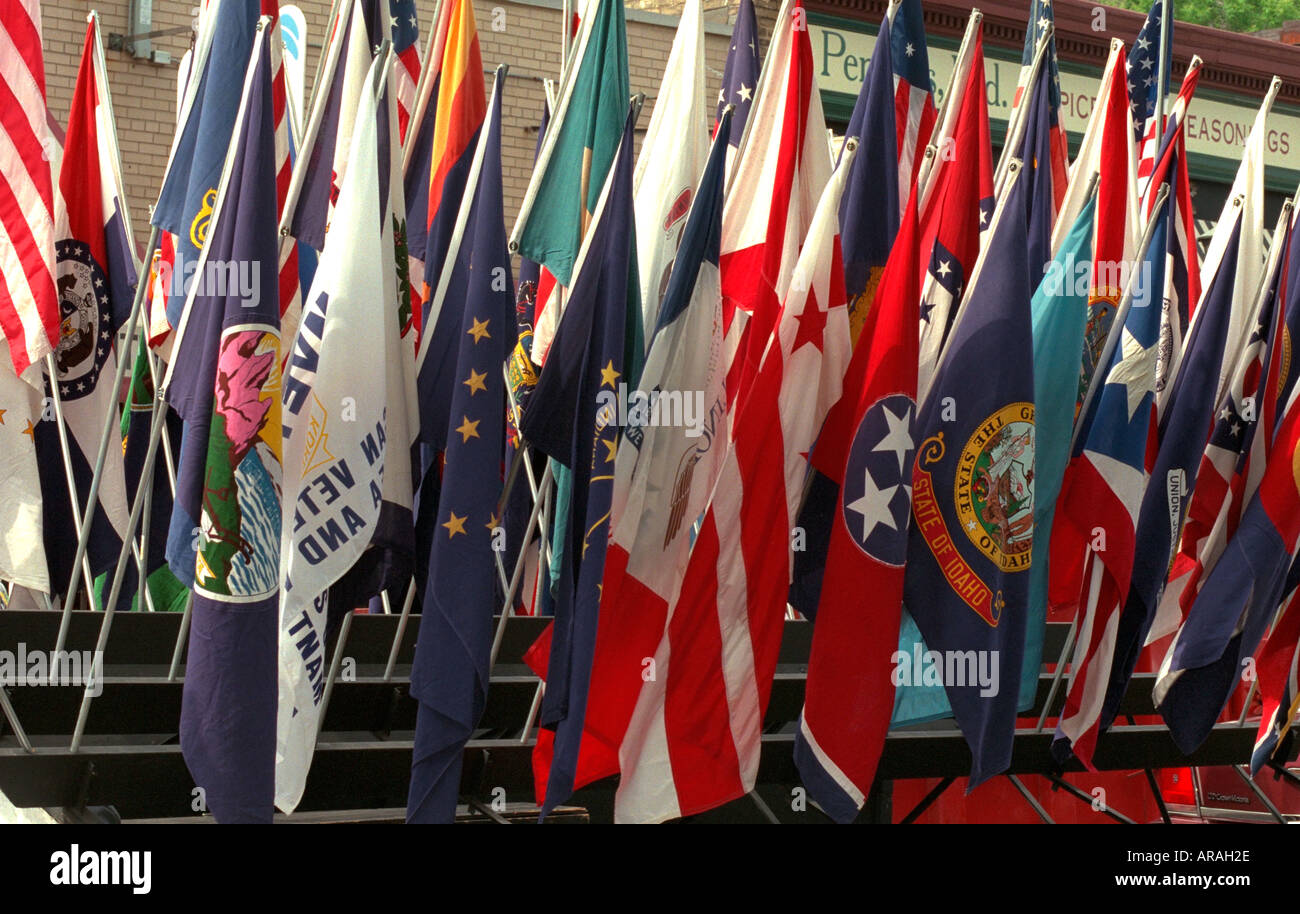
(579, 144)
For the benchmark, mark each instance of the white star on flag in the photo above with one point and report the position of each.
(1135, 372)
(898, 439)
(745, 92)
(873, 506)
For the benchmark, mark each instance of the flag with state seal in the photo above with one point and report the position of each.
(971, 542)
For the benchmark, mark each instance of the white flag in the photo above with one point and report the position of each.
(671, 161)
(348, 396)
(22, 547)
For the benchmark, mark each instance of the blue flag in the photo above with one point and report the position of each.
(969, 553)
(1060, 311)
(189, 191)
(570, 421)
(450, 673)
(225, 386)
(740, 73)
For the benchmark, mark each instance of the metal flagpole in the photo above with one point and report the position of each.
(947, 117)
(180, 637)
(518, 571)
(1016, 126)
(155, 432)
(335, 662)
(1166, 58)
(83, 536)
(53, 373)
(401, 631)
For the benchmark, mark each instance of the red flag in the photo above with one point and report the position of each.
(29, 306)
(849, 697)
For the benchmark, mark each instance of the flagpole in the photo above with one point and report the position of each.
(948, 115)
(1166, 58)
(83, 536)
(1016, 125)
(155, 432)
(57, 400)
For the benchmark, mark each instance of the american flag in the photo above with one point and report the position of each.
(1143, 92)
(406, 44)
(915, 113)
(1041, 20)
(290, 281)
(740, 74)
(29, 306)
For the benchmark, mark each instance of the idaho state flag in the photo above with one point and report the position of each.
(970, 547)
(225, 384)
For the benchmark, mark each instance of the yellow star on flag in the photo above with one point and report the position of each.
(30, 431)
(2, 416)
(611, 445)
(476, 380)
(455, 525)
(479, 330)
(492, 522)
(468, 429)
(608, 375)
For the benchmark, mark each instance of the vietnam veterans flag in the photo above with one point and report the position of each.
(348, 392)
(849, 696)
(449, 677)
(95, 275)
(225, 383)
(971, 543)
(572, 417)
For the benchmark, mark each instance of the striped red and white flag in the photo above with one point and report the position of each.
(780, 172)
(29, 305)
(695, 736)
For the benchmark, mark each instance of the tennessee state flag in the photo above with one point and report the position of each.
(849, 696)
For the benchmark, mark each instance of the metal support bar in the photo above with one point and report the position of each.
(12, 717)
(1060, 783)
(763, 807)
(1030, 798)
(927, 801)
(1244, 774)
(1155, 792)
(478, 806)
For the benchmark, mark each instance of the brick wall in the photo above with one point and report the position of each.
(144, 93)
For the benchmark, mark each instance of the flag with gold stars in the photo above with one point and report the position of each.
(349, 394)
(450, 674)
(574, 418)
